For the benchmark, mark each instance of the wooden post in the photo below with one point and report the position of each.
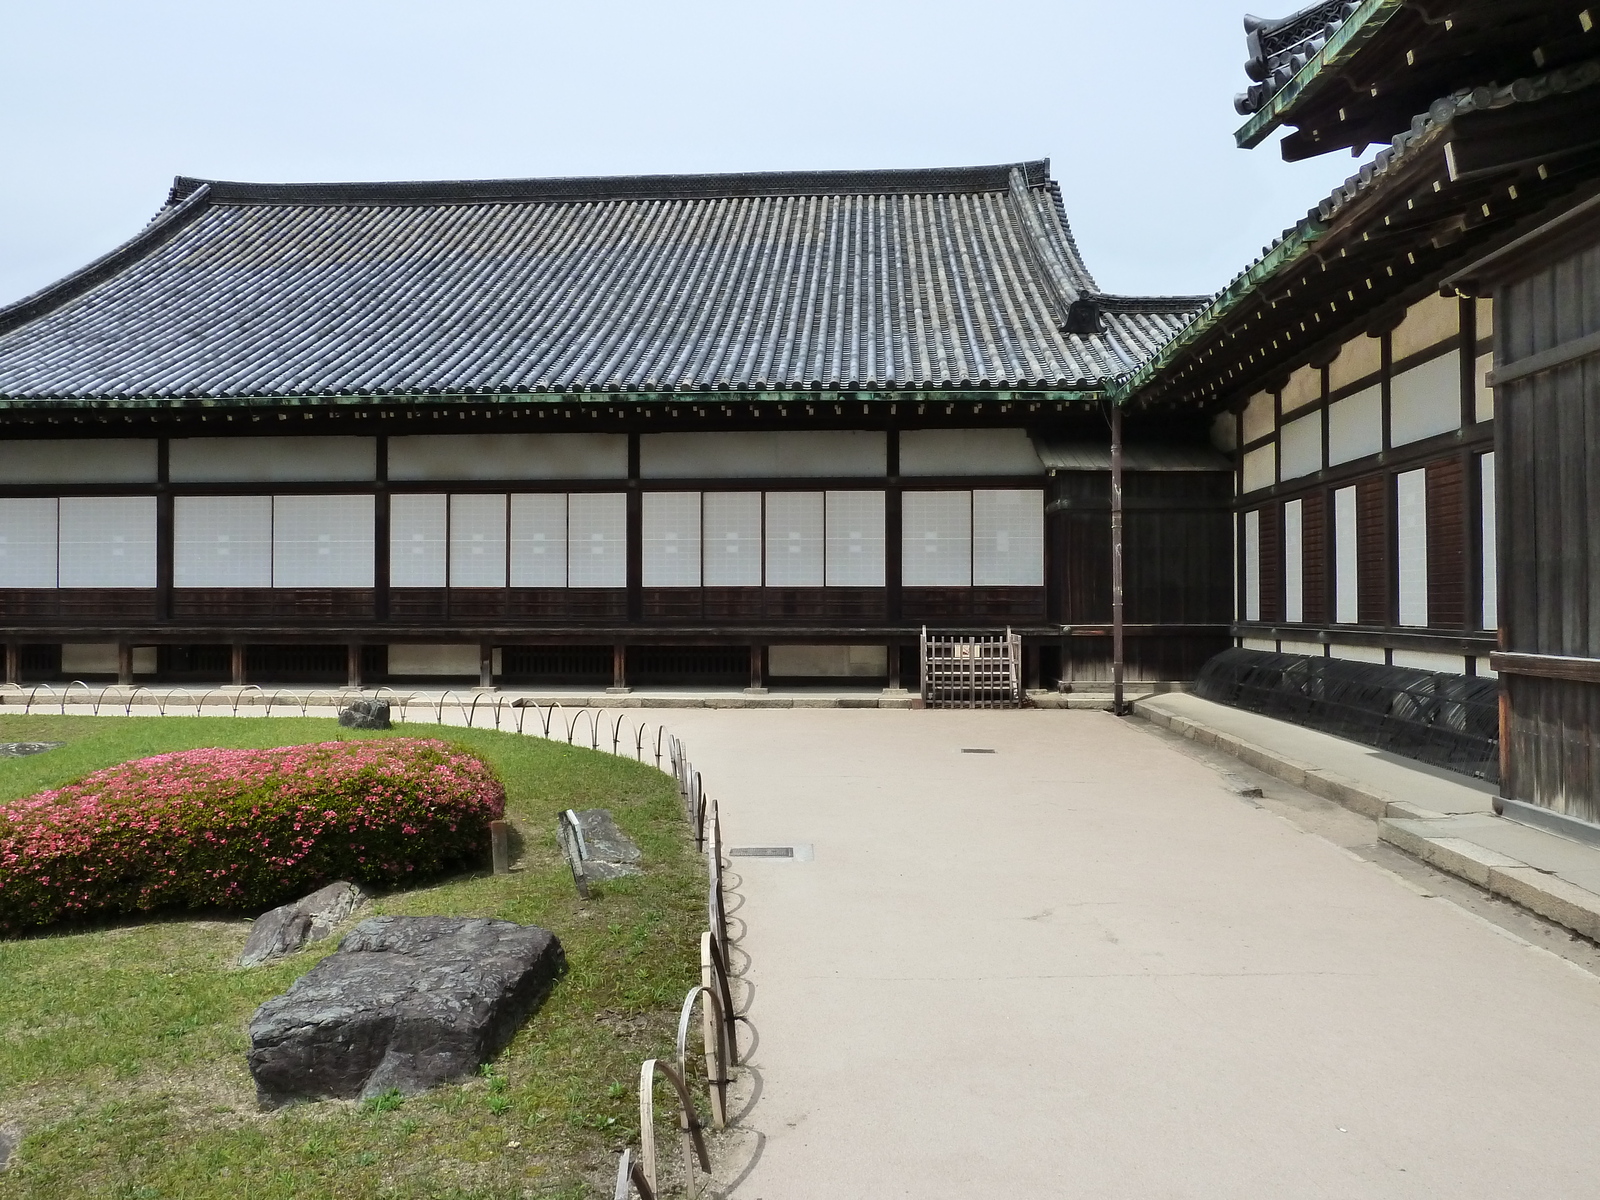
(1116, 559)
(485, 664)
(164, 526)
(352, 664)
(758, 671)
(238, 664)
(893, 532)
(619, 669)
(13, 662)
(500, 846)
(894, 668)
(124, 663)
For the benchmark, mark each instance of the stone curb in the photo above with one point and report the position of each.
(1538, 891)
(1330, 785)
(1542, 892)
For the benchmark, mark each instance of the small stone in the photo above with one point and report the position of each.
(10, 1138)
(603, 841)
(606, 853)
(404, 1003)
(287, 928)
(24, 749)
(366, 714)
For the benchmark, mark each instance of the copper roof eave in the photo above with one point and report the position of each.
(1323, 67)
(1347, 209)
(1288, 251)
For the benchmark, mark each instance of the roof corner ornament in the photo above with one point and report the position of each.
(1085, 318)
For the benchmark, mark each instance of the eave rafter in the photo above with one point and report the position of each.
(1392, 234)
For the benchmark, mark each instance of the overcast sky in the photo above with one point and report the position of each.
(102, 103)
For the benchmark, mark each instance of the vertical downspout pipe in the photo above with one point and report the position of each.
(1116, 559)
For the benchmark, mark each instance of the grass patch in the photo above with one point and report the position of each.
(122, 1045)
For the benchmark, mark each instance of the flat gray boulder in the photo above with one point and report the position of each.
(404, 1003)
(287, 928)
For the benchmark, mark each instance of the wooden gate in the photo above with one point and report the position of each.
(971, 670)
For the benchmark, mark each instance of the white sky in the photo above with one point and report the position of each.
(101, 103)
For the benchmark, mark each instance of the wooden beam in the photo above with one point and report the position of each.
(1547, 666)
(1546, 360)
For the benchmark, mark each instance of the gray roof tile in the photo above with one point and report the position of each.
(942, 278)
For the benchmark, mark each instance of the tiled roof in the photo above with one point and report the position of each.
(956, 278)
(1279, 49)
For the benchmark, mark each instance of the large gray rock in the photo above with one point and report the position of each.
(287, 928)
(366, 714)
(405, 1003)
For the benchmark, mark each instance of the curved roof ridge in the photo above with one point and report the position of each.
(161, 227)
(731, 185)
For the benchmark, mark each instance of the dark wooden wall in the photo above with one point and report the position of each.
(1177, 570)
(1548, 488)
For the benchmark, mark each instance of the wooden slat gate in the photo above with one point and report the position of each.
(971, 670)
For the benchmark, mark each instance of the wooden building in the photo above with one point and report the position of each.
(1401, 377)
(1546, 289)
(668, 429)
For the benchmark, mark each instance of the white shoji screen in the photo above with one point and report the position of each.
(108, 541)
(1345, 595)
(855, 539)
(1008, 537)
(1252, 565)
(1411, 545)
(671, 552)
(417, 538)
(539, 539)
(794, 539)
(28, 543)
(222, 541)
(478, 540)
(936, 535)
(731, 544)
(322, 541)
(1293, 561)
(597, 539)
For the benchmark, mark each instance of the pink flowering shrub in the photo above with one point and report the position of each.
(242, 828)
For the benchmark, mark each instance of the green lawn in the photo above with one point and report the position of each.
(122, 1046)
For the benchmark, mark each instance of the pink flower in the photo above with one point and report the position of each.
(79, 848)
